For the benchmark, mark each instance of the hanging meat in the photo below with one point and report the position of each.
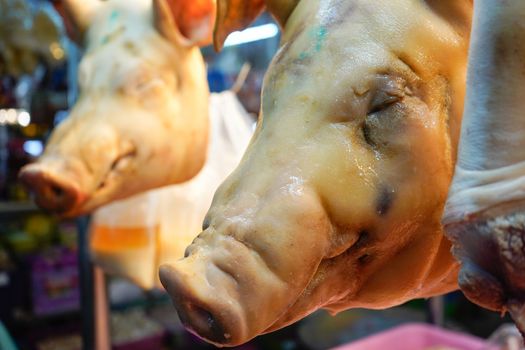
(484, 215)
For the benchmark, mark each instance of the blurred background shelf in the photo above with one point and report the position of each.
(13, 209)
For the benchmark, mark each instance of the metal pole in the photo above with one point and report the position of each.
(93, 299)
(87, 297)
(102, 336)
(435, 310)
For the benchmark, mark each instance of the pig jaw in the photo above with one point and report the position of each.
(227, 292)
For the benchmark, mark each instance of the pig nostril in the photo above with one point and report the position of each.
(58, 192)
(206, 324)
(202, 314)
(363, 239)
(51, 192)
(364, 259)
(206, 223)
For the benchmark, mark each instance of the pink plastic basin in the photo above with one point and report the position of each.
(415, 336)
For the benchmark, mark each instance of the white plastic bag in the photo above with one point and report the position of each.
(124, 237)
(172, 216)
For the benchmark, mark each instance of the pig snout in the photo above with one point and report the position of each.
(52, 191)
(206, 310)
(226, 295)
(81, 166)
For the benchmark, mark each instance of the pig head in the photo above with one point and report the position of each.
(141, 119)
(337, 201)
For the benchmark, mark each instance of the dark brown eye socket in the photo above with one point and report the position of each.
(381, 116)
(382, 100)
(367, 134)
(389, 90)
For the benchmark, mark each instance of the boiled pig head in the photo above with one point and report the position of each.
(337, 201)
(141, 119)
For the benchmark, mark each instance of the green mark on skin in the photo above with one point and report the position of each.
(320, 38)
(318, 35)
(113, 17)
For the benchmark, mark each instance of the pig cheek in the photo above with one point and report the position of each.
(156, 97)
(100, 149)
(346, 176)
(335, 281)
(416, 159)
(433, 165)
(155, 148)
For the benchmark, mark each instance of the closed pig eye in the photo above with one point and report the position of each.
(389, 90)
(383, 118)
(141, 84)
(383, 100)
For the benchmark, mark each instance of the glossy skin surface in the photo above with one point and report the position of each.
(142, 109)
(337, 201)
(484, 212)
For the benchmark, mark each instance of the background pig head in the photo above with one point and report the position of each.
(337, 201)
(141, 120)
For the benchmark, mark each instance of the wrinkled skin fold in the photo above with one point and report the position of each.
(337, 201)
(484, 215)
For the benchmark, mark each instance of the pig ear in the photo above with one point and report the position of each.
(235, 15)
(187, 22)
(281, 9)
(78, 15)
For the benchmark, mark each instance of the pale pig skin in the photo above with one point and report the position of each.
(141, 120)
(338, 200)
(484, 212)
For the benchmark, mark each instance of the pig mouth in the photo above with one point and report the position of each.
(109, 183)
(120, 165)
